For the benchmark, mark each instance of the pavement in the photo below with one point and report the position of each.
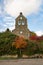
(22, 62)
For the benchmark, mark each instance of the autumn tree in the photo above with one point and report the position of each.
(20, 44)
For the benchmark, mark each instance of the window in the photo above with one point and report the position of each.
(19, 23)
(23, 23)
(20, 17)
(21, 32)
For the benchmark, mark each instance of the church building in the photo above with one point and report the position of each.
(21, 27)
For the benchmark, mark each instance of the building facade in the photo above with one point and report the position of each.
(21, 27)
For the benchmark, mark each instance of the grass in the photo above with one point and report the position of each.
(7, 58)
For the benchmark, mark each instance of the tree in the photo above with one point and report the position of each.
(6, 38)
(20, 43)
(32, 34)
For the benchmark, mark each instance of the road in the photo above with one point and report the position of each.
(22, 62)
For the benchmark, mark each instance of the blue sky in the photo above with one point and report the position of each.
(32, 9)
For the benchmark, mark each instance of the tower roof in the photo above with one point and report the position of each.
(21, 15)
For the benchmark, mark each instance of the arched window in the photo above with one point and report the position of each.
(19, 23)
(23, 23)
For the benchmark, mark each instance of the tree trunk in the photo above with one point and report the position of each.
(19, 53)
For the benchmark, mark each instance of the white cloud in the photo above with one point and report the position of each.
(1, 30)
(8, 19)
(9, 23)
(11, 28)
(0, 10)
(39, 33)
(13, 7)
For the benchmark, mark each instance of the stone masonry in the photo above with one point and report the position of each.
(21, 27)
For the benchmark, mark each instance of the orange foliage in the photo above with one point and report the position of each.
(20, 42)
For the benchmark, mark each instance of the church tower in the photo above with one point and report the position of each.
(21, 28)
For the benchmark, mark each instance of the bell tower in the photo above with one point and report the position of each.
(21, 28)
